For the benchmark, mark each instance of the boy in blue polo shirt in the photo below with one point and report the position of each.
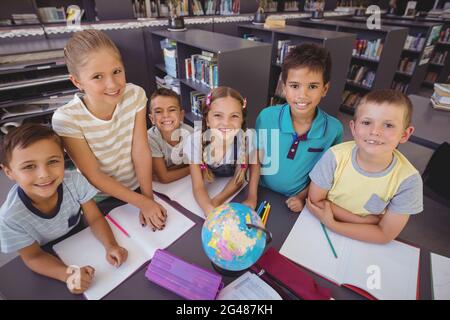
(292, 137)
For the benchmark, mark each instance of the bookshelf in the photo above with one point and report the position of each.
(339, 45)
(34, 81)
(243, 65)
(382, 65)
(439, 66)
(419, 47)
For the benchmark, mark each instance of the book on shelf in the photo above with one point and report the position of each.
(169, 48)
(203, 69)
(197, 99)
(283, 48)
(400, 86)
(230, 7)
(291, 6)
(252, 37)
(361, 75)
(445, 35)
(370, 49)
(212, 6)
(145, 9)
(169, 83)
(376, 271)
(24, 18)
(439, 57)
(407, 65)
(443, 89)
(414, 43)
(197, 8)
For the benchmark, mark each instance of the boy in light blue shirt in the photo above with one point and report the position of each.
(292, 137)
(46, 203)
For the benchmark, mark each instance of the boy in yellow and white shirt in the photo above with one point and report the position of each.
(366, 189)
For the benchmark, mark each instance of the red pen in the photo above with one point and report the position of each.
(117, 225)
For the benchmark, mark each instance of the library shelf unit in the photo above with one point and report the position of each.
(339, 45)
(242, 64)
(34, 81)
(430, 31)
(384, 67)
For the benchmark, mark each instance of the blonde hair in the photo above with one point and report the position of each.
(240, 171)
(82, 43)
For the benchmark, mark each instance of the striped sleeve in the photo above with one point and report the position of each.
(64, 125)
(13, 237)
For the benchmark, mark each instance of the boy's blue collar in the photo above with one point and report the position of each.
(29, 204)
(318, 127)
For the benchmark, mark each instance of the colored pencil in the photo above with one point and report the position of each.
(114, 222)
(329, 240)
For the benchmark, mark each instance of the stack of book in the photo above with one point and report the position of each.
(203, 68)
(441, 96)
(25, 18)
(414, 43)
(370, 49)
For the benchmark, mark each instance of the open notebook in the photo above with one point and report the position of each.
(180, 191)
(84, 249)
(387, 271)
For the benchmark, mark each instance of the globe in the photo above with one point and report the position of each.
(233, 237)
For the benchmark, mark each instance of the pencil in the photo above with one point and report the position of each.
(261, 206)
(114, 222)
(267, 214)
(329, 241)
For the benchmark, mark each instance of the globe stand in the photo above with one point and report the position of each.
(228, 273)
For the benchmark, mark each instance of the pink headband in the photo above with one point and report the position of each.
(209, 97)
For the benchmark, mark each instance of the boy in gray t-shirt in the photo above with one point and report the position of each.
(167, 136)
(46, 203)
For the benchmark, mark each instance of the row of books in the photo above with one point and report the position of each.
(203, 68)
(197, 99)
(431, 77)
(350, 99)
(370, 49)
(230, 7)
(407, 65)
(400, 86)
(291, 6)
(283, 48)
(441, 96)
(439, 57)
(145, 8)
(445, 35)
(361, 75)
(415, 43)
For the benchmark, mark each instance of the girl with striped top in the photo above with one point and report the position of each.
(104, 126)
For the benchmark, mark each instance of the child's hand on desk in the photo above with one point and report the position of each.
(116, 255)
(325, 214)
(153, 215)
(295, 204)
(79, 279)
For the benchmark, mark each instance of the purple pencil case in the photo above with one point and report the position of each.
(185, 279)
